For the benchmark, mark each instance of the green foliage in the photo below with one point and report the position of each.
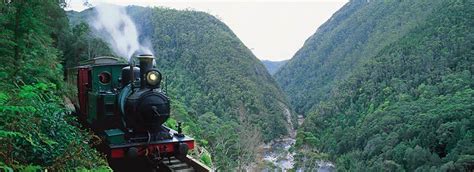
(206, 159)
(31, 168)
(28, 51)
(171, 123)
(81, 44)
(36, 132)
(403, 100)
(354, 34)
(35, 128)
(98, 169)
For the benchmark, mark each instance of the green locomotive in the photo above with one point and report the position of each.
(126, 106)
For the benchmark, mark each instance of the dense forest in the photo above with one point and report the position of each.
(219, 89)
(36, 130)
(355, 33)
(390, 87)
(273, 66)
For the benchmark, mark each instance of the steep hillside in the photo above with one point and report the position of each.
(219, 88)
(36, 131)
(405, 105)
(358, 31)
(273, 66)
(210, 69)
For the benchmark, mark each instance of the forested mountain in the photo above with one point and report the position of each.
(388, 86)
(353, 34)
(220, 90)
(273, 66)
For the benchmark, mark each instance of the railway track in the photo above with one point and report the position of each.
(187, 164)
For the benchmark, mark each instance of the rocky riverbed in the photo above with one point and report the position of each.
(277, 153)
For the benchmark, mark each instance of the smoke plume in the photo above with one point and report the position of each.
(113, 25)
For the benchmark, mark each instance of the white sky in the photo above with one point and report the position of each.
(272, 29)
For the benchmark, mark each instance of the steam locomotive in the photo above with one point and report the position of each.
(126, 107)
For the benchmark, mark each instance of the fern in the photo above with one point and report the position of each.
(10, 134)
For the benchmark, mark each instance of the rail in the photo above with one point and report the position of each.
(187, 164)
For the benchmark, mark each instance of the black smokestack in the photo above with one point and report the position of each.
(146, 63)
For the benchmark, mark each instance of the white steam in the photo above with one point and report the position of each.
(113, 25)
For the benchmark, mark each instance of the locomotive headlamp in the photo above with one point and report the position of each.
(153, 78)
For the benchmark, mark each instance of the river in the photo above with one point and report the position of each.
(278, 155)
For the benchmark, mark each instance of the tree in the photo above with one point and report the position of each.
(29, 54)
(36, 131)
(249, 141)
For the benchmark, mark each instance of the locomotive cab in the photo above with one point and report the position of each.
(97, 82)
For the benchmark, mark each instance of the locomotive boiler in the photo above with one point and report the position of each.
(126, 107)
